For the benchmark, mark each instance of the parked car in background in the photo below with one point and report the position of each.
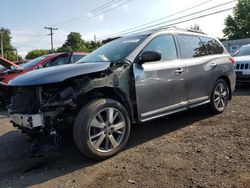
(12, 70)
(41, 62)
(6, 64)
(133, 79)
(242, 64)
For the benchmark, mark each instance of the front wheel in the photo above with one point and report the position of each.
(101, 129)
(219, 97)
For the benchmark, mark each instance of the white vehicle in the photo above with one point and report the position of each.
(242, 64)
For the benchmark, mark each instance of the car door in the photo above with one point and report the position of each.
(160, 86)
(197, 66)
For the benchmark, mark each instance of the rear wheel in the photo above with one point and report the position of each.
(219, 97)
(101, 128)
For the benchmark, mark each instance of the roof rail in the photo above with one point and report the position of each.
(177, 28)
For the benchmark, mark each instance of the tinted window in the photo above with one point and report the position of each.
(165, 45)
(212, 46)
(115, 50)
(75, 58)
(244, 50)
(191, 46)
(60, 60)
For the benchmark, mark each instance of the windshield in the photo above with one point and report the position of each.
(114, 51)
(31, 63)
(243, 51)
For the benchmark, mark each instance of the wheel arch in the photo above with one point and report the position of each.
(227, 80)
(107, 92)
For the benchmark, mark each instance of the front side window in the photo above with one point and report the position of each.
(191, 46)
(212, 46)
(165, 45)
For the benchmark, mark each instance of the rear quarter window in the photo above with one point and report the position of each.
(191, 46)
(212, 45)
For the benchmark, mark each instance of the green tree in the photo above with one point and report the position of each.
(9, 50)
(74, 42)
(238, 25)
(36, 53)
(195, 27)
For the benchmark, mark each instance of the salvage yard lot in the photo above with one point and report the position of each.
(188, 149)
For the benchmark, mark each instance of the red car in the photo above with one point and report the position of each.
(6, 64)
(9, 70)
(40, 62)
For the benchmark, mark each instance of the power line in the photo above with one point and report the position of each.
(205, 15)
(89, 12)
(74, 21)
(132, 30)
(51, 36)
(92, 16)
(171, 15)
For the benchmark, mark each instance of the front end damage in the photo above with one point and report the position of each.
(41, 110)
(50, 109)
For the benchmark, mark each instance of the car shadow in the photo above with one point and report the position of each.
(16, 163)
(3, 112)
(242, 89)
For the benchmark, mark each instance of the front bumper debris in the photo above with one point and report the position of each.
(30, 121)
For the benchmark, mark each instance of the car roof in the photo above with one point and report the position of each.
(169, 30)
(60, 53)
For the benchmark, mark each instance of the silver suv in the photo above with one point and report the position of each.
(133, 79)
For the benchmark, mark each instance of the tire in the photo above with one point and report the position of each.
(101, 129)
(219, 97)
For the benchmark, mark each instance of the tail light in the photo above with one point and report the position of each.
(232, 60)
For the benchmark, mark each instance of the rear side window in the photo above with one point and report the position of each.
(60, 60)
(75, 58)
(191, 46)
(165, 45)
(212, 45)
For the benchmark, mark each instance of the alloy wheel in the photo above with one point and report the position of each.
(220, 96)
(107, 130)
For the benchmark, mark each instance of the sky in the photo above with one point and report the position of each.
(27, 18)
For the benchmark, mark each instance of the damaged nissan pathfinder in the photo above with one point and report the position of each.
(130, 80)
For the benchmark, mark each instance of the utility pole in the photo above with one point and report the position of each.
(51, 35)
(16, 54)
(2, 43)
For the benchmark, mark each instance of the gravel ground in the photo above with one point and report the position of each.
(188, 149)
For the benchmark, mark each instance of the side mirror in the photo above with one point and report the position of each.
(149, 56)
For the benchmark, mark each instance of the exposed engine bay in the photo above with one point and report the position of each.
(41, 109)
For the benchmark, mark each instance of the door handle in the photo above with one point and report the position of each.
(179, 71)
(212, 65)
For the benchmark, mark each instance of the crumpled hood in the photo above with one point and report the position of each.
(57, 74)
(242, 58)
